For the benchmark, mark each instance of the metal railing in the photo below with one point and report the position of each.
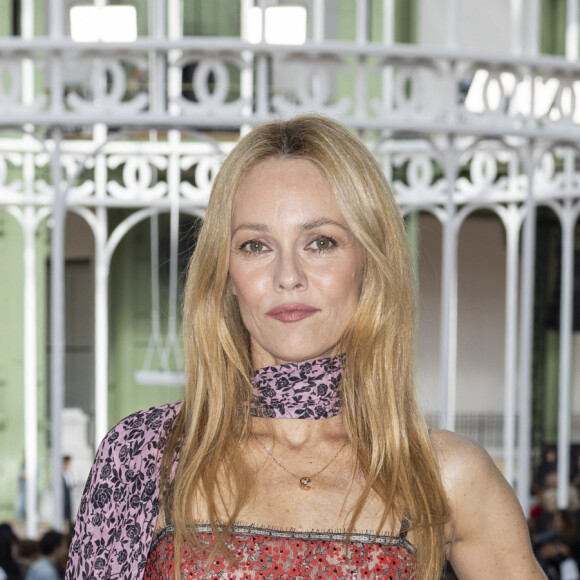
(456, 131)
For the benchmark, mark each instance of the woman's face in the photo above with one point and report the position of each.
(295, 266)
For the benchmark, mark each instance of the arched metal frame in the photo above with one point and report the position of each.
(529, 106)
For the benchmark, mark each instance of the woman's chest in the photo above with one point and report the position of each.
(327, 503)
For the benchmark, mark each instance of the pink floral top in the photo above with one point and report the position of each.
(113, 536)
(119, 508)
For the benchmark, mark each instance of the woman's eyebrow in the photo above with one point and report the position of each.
(312, 225)
(254, 227)
(305, 227)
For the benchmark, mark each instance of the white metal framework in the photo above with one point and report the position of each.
(516, 133)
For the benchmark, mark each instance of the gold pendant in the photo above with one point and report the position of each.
(305, 482)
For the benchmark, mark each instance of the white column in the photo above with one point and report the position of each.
(567, 219)
(57, 312)
(55, 26)
(30, 373)
(512, 229)
(572, 37)
(173, 173)
(171, 346)
(157, 60)
(29, 225)
(362, 37)
(174, 32)
(262, 79)
(448, 329)
(516, 25)
(246, 74)
(27, 20)
(102, 264)
(533, 27)
(452, 24)
(526, 336)
(101, 334)
(388, 40)
(318, 20)
(362, 19)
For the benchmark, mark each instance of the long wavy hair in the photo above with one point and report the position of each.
(380, 413)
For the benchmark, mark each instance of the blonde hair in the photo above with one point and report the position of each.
(380, 414)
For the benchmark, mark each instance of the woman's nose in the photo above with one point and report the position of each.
(289, 274)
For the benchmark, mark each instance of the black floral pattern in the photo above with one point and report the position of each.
(308, 390)
(120, 504)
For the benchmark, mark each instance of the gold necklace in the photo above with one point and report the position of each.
(305, 480)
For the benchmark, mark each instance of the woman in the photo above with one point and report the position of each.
(298, 450)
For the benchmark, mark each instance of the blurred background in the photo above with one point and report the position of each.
(114, 118)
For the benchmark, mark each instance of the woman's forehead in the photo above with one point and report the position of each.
(285, 188)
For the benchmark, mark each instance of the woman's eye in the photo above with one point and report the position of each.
(253, 246)
(322, 244)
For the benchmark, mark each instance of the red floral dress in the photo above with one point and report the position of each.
(274, 554)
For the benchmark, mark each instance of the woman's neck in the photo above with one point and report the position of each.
(295, 433)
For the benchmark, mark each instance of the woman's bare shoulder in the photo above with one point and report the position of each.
(461, 459)
(487, 535)
(448, 443)
(468, 474)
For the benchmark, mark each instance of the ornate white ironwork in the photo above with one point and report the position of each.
(108, 86)
(456, 131)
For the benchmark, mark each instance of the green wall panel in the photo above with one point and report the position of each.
(211, 17)
(11, 360)
(130, 326)
(6, 18)
(553, 27)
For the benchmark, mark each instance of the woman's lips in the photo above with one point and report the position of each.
(292, 312)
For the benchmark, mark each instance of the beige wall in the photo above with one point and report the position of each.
(481, 317)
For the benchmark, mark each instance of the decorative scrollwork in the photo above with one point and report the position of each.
(520, 97)
(557, 173)
(313, 86)
(417, 179)
(404, 90)
(15, 185)
(138, 177)
(210, 86)
(497, 94)
(494, 93)
(565, 106)
(7, 160)
(483, 169)
(545, 173)
(71, 165)
(492, 173)
(109, 87)
(483, 173)
(204, 172)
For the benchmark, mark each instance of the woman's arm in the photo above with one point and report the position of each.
(120, 504)
(488, 535)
